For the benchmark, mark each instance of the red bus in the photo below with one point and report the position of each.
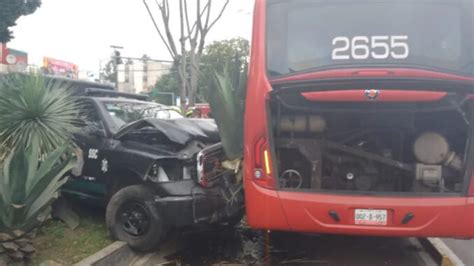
(359, 117)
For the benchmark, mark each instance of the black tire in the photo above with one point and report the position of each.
(131, 216)
(117, 181)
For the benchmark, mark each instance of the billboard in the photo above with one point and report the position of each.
(60, 68)
(16, 58)
(12, 57)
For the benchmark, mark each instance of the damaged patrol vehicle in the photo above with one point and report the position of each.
(154, 169)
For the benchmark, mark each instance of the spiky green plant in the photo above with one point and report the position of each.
(28, 186)
(226, 97)
(37, 119)
(33, 107)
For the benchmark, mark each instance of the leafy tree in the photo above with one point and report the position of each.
(10, 11)
(110, 71)
(220, 55)
(111, 68)
(167, 83)
(217, 56)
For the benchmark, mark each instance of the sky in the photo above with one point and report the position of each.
(81, 31)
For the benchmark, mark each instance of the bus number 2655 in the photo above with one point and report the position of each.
(373, 47)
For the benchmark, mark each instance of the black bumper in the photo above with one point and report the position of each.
(199, 205)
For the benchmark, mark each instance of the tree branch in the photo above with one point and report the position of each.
(219, 16)
(209, 2)
(200, 15)
(172, 53)
(187, 18)
(204, 30)
(165, 16)
(167, 5)
(188, 50)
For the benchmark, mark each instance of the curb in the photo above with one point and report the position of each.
(117, 253)
(441, 252)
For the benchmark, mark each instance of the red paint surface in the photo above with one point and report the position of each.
(373, 73)
(384, 96)
(470, 190)
(308, 212)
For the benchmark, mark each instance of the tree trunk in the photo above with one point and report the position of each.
(183, 86)
(194, 74)
(193, 87)
(183, 60)
(194, 33)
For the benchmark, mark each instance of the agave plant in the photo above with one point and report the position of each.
(27, 188)
(226, 98)
(37, 119)
(34, 107)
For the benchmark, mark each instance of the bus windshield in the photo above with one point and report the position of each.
(311, 35)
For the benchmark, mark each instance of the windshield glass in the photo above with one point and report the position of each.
(122, 113)
(310, 35)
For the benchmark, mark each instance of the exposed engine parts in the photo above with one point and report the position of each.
(300, 123)
(370, 152)
(433, 152)
(431, 148)
(291, 179)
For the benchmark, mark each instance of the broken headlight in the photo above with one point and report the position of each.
(157, 174)
(209, 164)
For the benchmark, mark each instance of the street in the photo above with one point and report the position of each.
(245, 246)
(464, 249)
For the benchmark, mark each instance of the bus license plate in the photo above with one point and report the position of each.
(370, 217)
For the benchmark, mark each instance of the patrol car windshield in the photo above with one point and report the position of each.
(122, 113)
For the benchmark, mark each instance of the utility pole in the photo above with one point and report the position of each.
(116, 59)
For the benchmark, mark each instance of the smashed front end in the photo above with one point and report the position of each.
(183, 160)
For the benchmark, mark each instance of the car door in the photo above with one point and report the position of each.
(92, 139)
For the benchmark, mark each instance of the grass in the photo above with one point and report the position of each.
(56, 241)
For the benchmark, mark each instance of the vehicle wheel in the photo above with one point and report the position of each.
(131, 216)
(116, 183)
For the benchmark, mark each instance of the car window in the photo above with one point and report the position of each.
(168, 114)
(122, 113)
(90, 118)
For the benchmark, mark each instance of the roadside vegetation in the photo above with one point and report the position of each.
(55, 241)
(217, 56)
(37, 119)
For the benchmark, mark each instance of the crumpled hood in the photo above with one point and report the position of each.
(180, 130)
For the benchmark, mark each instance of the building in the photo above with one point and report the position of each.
(140, 76)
